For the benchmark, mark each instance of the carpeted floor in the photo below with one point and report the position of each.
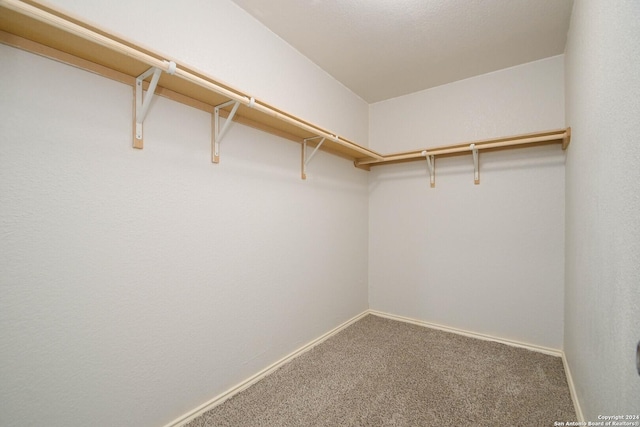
(380, 372)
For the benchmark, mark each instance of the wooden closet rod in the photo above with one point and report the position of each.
(129, 51)
(562, 136)
(29, 25)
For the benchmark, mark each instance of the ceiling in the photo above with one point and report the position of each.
(382, 49)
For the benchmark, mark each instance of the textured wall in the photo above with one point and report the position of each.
(136, 285)
(602, 320)
(486, 258)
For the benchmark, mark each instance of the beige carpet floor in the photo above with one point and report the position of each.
(380, 372)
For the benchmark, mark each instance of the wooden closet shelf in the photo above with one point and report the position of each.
(558, 136)
(34, 27)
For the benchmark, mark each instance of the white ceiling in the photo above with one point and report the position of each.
(381, 49)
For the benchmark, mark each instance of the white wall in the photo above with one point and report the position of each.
(136, 285)
(602, 310)
(485, 258)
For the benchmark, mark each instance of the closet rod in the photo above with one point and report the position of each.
(559, 136)
(92, 36)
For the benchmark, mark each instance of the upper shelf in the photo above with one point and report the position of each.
(29, 25)
(38, 28)
(559, 136)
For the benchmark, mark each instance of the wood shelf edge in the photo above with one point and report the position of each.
(554, 136)
(263, 116)
(84, 36)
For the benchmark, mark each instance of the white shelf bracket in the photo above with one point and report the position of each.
(431, 166)
(218, 133)
(306, 161)
(142, 103)
(476, 170)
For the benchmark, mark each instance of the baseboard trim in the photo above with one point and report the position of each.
(532, 347)
(184, 419)
(540, 349)
(572, 389)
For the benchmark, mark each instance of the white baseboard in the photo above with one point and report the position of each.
(184, 419)
(540, 349)
(189, 416)
(572, 390)
(533, 347)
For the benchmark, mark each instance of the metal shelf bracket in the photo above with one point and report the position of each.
(218, 133)
(431, 166)
(476, 170)
(305, 161)
(142, 102)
